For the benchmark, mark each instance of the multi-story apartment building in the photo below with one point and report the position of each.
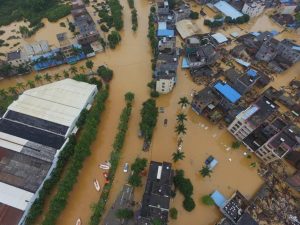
(251, 118)
(253, 8)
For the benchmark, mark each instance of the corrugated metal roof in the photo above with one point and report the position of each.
(228, 92)
(227, 9)
(14, 197)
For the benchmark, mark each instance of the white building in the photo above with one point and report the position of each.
(164, 86)
(253, 8)
(36, 48)
(33, 131)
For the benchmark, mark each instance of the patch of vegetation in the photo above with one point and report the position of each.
(116, 13)
(2, 32)
(113, 39)
(105, 73)
(236, 144)
(207, 200)
(99, 207)
(240, 20)
(194, 15)
(149, 114)
(137, 167)
(81, 151)
(32, 10)
(104, 28)
(173, 213)
(131, 3)
(124, 214)
(134, 19)
(62, 24)
(185, 187)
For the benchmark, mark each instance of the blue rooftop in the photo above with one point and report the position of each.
(228, 92)
(227, 9)
(252, 73)
(218, 198)
(165, 33)
(185, 63)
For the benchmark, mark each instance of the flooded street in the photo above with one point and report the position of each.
(131, 64)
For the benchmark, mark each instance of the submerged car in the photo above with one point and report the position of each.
(125, 168)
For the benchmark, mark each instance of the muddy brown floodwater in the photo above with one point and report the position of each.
(132, 71)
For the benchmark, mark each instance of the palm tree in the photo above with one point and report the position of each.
(82, 68)
(180, 129)
(57, 76)
(37, 77)
(178, 155)
(47, 77)
(20, 86)
(73, 70)
(13, 90)
(66, 74)
(181, 117)
(184, 102)
(205, 171)
(30, 84)
(3, 93)
(89, 64)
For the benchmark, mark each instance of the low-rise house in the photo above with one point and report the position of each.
(167, 44)
(17, 58)
(287, 6)
(182, 12)
(205, 101)
(288, 52)
(162, 8)
(157, 195)
(165, 81)
(84, 23)
(204, 55)
(253, 8)
(65, 45)
(268, 50)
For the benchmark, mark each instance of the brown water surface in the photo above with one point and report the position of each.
(132, 71)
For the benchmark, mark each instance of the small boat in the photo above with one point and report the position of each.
(78, 222)
(104, 166)
(97, 185)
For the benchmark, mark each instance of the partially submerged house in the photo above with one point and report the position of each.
(157, 195)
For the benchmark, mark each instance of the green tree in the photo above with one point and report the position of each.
(105, 73)
(66, 74)
(89, 64)
(82, 68)
(38, 78)
(124, 214)
(194, 15)
(139, 165)
(135, 180)
(47, 77)
(3, 93)
(129, 96)
(30, 84)
(178, 155)
(13, 90)
(181, 117)
(113, 39)
(20, 86)
(173, 213)
(183, 102)
(73, 70)
(236, 144)
(156, 221)
(180, 129)
(207, 200)
(57, 76)
(188, 204)
(205, 171)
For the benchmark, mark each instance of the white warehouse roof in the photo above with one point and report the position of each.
(14, 197)
(59, 102)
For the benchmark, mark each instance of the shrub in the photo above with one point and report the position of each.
(113, 39)
(188, 204)
(207, 200)
(131, 3)
(124, 214)
(58, 12)
(104, 28)
(194, 15)
(105, 73)
(154, 94)
(173, 213)
(149, 115)
(236, 144)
